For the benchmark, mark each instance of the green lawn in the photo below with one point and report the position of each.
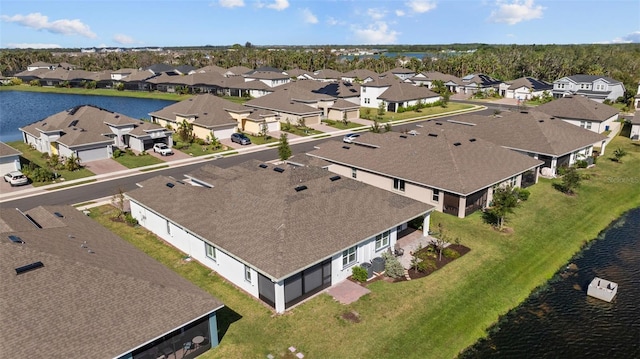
(131, 160)
(98, 92)
(261, 140)
(427, 111)
(433, 317)
(29, 155)
(195, 150)
(340, 125)
(295, 130)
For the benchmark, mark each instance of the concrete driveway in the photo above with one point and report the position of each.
(105, 166)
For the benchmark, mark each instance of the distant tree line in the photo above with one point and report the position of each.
(504, 62)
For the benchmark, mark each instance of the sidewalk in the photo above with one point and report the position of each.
(115, 172)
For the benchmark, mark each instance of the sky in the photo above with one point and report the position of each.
(166, 23)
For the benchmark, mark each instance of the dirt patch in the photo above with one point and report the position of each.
(351, 316)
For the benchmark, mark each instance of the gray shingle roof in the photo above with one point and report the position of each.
(434, 161)
(8, 151)
(636, 118)
(399, 92)
(288, 100)
(81, 304)
(530, 83)
(578, 108)
(532, 132)
(435, 75)
(591, 78)
(257, 215)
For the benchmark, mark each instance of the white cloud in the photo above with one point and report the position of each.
(38, 21)
(276, 5)
(124, 39)
(231, 3)
(376, 14)
(377, 33)
(421, 6)
(309, 17)
(33, 46)
(633, 37)
(515, 12)
(400, 13)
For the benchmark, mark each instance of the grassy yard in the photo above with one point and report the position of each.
(131, 160)
(436, 316)
(195, 150)
(340, 125)
(261, 140)
(98, 92)
(29, 155)
(295, 130)
(427, 111)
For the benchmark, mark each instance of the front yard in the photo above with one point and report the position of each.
(372, 113)
(436, 316)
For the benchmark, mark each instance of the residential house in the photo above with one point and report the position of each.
(452, 83)
(158, 69)
(536, 134)
(294, 103)
(137, 81)
(581, 111)
(394, 95)
(402, 73)
(269, 78)
(73, 289)
(90, 133)
(327, 75)
(120, 74)
(635, 126)
(210, 116)
(636, 101)
(360, 76)
(479, 82)
(525, 88)
(236, 71)
(299, 74)
(598, 88)
(281, 233)
(449, 169)
(9, 159)
(213, 68)
(41, 65)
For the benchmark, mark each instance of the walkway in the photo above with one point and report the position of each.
(411, 240)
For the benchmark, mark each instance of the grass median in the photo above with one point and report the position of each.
(439, 315)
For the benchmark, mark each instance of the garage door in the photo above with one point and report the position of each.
(93, 154)
(224, 134)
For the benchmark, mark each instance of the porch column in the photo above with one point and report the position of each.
(213, 329)
(554, 164)
(425, 224)
(279, 291)
(604, 144)
(462, 206)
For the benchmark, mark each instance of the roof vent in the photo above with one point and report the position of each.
(300, 188)
(346, 147)
(540, 121)
(524, 111)
(439, 123)
(403, 136)
(457, 144)
(16, 239)
(58, 214)
(29, 267)
(334, 178)
(433, 135)
(472, 140)
(262, 165)
(117, 116)
(170, 185)
(73, 123)
(278, 169)
(205, 113)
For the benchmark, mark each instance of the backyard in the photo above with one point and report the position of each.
(432, 317)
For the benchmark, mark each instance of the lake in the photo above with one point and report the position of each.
(19, 108)
(561, 321)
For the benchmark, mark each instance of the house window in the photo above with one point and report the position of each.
(588, 125)
(436, 195)
(367, 100)
(247, 273)
(382, 240)
(582, 124)
(349, 256)
(398, 184)
(354, 173)
(210, 251)
(363, 89)
(169, 228)
(512, 181)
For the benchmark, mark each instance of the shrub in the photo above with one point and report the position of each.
(523, 194)
(561, 170)
(200, 141)
(117, 153)
(582, 163)
(360, 274)
(450, 253)
(392, 266)
(129, 219)
(426, 265)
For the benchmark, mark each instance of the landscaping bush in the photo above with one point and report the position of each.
(426, 265)
(360, 274)
(117, 153)
(129, 219)
(582, 163)
(392, 266)
(523, 194)
(450, 253)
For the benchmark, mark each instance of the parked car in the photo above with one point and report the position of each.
(16, 178)
(240, 138)
(349, 138)
(162, 149)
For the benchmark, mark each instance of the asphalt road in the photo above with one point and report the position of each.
(88, 192)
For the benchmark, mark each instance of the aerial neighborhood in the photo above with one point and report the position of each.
(280, 231)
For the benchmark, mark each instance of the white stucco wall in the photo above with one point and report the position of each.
(635, 132)
(597, 127)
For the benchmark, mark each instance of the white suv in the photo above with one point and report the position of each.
(162, 149)
(16, 178)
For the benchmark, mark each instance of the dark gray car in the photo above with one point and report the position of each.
(240, 138)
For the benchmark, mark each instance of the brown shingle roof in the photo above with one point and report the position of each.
(532, 132)
(257, 215)
(286, 101)
(578, 108)
(210, 110)
(399, 92)
(431, 158)
(81, 304)
(7, 151)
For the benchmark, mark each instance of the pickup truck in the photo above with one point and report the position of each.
(162, 149)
